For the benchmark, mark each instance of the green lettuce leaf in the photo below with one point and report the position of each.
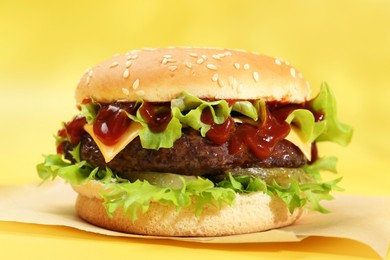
(334, 130)
(79, 172)
(322, 164)
(89, 111)
(135, 197)
(50, 167)
(188, 109)
(157, 140)
(295, 195)
(246, 108)
(308, 128)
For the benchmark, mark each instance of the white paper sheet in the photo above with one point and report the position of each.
(362, 218)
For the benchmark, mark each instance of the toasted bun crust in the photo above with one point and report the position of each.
(251, 213)
(158, 75)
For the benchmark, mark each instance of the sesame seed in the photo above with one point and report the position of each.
(232, 81)
(300, 75)
(292, 72)
(200, 61)
(246, 66)
(126, 73)
(171, 60)
(128, 63)
(228, 53)
(204, 57)
(128, 57)
(125, 91)
(239, 88)
(221, 83)
(114, 64)
(88, 80)
(256, 76)
(134, 57)
(221, 55)
(215, 56)
(278, 62)
(211, 66)
(214, 77)
(193, 54)
(286, 62)
(164, 61)
(135, 84)
(188, 64)
(172, 68)
(129, 53)
(237, 66)
(90, 73)
(140, 92)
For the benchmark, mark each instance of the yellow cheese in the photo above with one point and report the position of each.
(110, 151)
(295, 138)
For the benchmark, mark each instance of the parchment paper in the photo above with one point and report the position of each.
(365, 219)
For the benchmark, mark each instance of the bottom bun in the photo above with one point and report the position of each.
(250, 213)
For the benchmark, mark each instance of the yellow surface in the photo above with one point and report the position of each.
(46, 45)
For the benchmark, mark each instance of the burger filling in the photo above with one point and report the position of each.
(210, 149)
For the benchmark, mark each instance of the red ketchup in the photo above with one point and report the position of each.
(259, 140)
(218, 133)
(61, 133)
(75, 128)
(157, 116)
(112, 121)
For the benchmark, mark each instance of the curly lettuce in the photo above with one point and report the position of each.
(135, 197)
(187, 110)
(334, 131)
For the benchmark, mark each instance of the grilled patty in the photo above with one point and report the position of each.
(191, 155)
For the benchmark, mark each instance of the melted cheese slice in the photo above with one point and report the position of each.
(110, 151)
(295, 138)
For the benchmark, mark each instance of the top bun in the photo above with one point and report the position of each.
(159, 75)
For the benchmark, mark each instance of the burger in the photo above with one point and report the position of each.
(196, 142)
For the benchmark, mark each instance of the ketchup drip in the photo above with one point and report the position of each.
(260, 140)
(156, 115)
(61, 133)
(314, 152)
(74, 129)
(112, 121)
(218, 133)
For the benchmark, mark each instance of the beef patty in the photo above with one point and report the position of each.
(191, 155)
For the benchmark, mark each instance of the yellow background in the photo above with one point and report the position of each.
(46, 45)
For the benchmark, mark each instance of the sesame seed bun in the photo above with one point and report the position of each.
(159, 75)
(251, 213)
